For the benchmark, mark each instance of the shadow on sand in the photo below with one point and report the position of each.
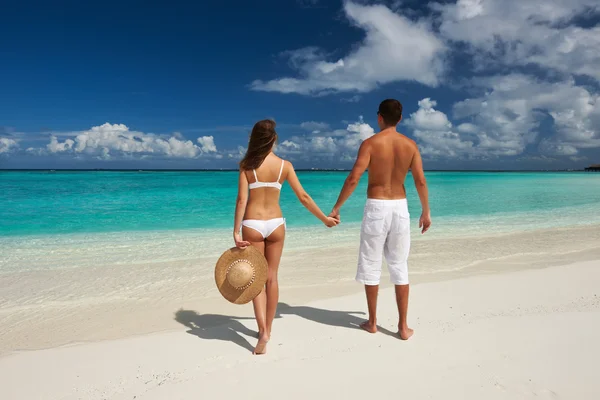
(216, 327)
(222, 327)
(342, 319)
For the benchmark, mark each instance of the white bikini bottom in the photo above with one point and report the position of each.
(264, 227)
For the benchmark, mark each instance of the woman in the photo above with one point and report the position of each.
(259, 217)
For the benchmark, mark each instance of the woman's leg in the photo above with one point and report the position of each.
(273, 250)
(260, 301)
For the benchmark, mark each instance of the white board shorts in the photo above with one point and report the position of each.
(385, 231)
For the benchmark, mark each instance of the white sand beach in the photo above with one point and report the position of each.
(502, 317)
(516, 325)
(529, 334)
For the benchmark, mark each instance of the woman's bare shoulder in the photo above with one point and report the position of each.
(286, 163)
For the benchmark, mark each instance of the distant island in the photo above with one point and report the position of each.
(594, 168)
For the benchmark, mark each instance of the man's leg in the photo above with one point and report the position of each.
(372, 292)
(397, 249)
(402, 300)
(372, 240)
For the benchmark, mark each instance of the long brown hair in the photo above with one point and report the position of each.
(262, 140)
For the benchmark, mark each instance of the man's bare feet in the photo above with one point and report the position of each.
(367, 326)
(261, 346)
(405, 333)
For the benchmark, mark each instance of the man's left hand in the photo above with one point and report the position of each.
(335, 214)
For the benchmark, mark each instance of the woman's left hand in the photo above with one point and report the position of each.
(239, 242)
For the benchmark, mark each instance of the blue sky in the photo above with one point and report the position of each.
(486, 84)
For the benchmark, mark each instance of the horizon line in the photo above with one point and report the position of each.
(235, 170)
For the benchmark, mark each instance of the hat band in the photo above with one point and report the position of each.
(246, 286)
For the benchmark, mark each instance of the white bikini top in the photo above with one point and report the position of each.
(258, 184)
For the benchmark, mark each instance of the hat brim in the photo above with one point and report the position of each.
(255, 258)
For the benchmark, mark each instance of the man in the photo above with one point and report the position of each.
(386, 225)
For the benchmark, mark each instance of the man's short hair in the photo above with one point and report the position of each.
(391, 111)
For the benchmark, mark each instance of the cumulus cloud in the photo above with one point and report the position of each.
(357, 133)
(106, 139)
(467, 128)
(207, 144)
(507, 118)
(339, 143)
(516, 32)
(395, 48)
(7, 145)
(427, 118)
(290, 146)
(55, 147)
(435, 135)
(513, 107)
(236, 154)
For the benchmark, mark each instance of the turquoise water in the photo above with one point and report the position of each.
(50, 203)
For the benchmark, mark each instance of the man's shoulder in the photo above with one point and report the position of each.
(386, 139)
(367, 142)
(406, 138)
(408, 141)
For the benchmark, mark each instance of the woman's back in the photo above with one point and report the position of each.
(259, 218)
(265, 186)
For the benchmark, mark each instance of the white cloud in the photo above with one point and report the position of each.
(427, 118)
(515, 111)
(438, 138)
(508, 117)
(467, 128)
(207, 144)
(7, 145)
(557, 149)
(577, 158)
(322, 144)
(395, 49)
(314, 126)
(514, 106)
(444, 144)
(357, 133)
(517, 32)
(290, 146)
(340, 143)
(55, 147)
(237, 154)
(435, 135)
(103, 140)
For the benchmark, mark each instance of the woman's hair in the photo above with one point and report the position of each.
(262, 140)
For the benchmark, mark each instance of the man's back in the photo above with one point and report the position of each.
(391, 156)
(385, 229)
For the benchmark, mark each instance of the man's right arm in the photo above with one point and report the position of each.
(360, 166)
(416, 167)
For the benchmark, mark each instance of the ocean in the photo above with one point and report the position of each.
(68, 219)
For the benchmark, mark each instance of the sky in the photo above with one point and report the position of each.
(485, 84)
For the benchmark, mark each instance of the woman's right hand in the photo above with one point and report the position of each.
(330, 222)
(239, 242)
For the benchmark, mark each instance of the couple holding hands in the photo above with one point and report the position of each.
(385, 230)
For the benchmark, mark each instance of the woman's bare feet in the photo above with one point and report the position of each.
(405, 333)
(261, 346)
(369, 327)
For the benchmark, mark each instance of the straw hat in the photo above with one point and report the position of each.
(241, 274)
